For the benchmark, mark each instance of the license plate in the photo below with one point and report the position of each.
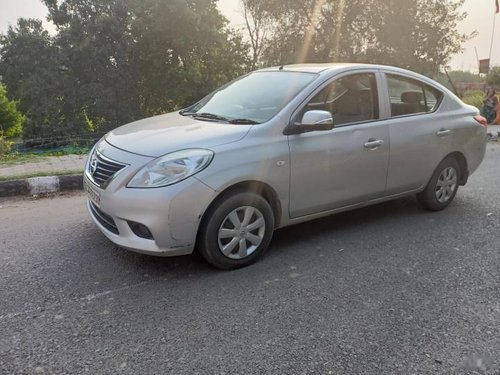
(93, 195)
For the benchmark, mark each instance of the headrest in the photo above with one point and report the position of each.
(412, 97)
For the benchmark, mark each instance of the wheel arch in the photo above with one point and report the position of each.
(462, 162)
(251, 186)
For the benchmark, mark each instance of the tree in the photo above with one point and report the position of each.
(185, 50)
(114, 61)
(457, 76)
(416, 34)
(493, 77)
(11, 120)
(100, 61)
(31, 66)
(258, 23)
(420, 35)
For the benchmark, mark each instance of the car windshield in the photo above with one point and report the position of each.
(255, 98)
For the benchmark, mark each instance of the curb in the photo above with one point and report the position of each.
(41, 185)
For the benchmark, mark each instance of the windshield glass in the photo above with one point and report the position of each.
(257, 97)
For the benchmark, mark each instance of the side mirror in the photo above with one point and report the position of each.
(312, 121)
(317, 117)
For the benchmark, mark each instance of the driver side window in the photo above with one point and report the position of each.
(349, 99)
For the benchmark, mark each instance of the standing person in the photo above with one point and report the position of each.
(490, 102)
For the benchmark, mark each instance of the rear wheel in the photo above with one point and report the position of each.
(236, 231)
(442, 187)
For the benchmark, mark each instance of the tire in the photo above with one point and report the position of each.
(236, 231)
(442, 187)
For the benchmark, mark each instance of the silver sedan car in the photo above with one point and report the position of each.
(278, 147)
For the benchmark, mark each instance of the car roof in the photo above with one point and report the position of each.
(330, 69)
(333, 67)
(313, 68)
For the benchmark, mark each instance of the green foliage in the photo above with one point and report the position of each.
(474, 98)
(493, 77)
(11, 120)
(99, 57)
(15, 157)
(465, 76)
(186, 50)
(31, 65)
(416, 34)
(258, 22)
(5, 146)
(458, 76)
(114, 61)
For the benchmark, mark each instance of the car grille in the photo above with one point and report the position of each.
(105, 220)
(102, 169)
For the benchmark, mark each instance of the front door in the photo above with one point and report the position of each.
(345, 165)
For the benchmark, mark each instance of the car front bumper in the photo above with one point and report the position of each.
(171, 214)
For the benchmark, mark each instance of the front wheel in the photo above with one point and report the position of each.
(236, 231)
(442, 187)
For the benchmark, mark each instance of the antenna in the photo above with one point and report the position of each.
(451, 83)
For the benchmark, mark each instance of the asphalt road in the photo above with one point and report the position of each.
(389, 289)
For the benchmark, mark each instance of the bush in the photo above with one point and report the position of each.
(5, 146)
(474, 98)
(11, 120)
(493, 77)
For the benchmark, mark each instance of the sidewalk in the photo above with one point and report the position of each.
(47, 175)
(51, 165)
(494, 130)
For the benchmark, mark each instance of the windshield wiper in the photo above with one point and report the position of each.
(184, 112)
(210, 116)
(243, 121)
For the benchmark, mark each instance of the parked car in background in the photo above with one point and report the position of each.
(278, 147)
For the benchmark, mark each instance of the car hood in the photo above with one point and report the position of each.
(159, 135)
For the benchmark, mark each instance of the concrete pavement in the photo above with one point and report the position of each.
(57, 173)
(51, 165)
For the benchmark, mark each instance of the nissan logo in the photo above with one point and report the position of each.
(93, 166)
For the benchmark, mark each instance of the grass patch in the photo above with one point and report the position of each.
(26, 157)
(15, 158)
(21, 158)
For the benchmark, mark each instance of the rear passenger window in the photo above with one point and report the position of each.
(409, 96)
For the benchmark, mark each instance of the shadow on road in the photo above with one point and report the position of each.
(392, 212)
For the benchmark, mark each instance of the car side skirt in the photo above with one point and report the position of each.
(319, 215)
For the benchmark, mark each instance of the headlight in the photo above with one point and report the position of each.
(171, 168)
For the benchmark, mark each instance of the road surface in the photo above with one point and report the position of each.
(389, 289)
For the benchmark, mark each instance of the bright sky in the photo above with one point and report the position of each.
(481, 15)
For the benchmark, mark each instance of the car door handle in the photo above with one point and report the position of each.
(373, 144)
(443, 132)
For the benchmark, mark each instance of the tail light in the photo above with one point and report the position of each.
(481, 120)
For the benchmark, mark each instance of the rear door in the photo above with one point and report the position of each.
(420, 136)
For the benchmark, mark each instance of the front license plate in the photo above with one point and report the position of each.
(93, 195)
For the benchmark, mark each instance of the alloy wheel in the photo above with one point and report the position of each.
(446, 184)
(241, 232)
